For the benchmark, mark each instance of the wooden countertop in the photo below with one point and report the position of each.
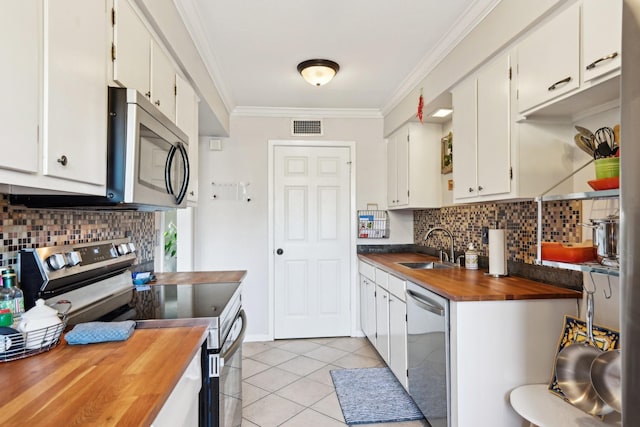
(106, 384)
(460, 284)
(199, 277)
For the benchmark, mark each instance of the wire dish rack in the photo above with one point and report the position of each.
(19, 345)
(373, 224)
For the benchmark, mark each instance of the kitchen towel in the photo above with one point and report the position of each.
(497, 252)
(94, 332)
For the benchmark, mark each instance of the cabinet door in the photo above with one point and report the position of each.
(548, 60)
(163, 82)
(370, 331)
(493, 127)
(382, 323)
(398, 338)
(75, 90)
(364, 320)
(464, 131)
(187, 120)
(601, 49)
(402, 167)
(132, 42)
(20, 101)
(392, 171)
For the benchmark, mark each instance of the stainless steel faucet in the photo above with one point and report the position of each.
(451, 255)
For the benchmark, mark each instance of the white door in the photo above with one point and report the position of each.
(311, 239)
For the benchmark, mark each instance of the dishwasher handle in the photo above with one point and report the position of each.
(425, 303)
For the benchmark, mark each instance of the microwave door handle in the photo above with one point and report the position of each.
(167, 169)
(185, 181)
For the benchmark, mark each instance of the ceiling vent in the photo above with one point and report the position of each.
(306, 127)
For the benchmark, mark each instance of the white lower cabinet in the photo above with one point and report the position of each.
(382, 323)
(383, 317)
(181, 408)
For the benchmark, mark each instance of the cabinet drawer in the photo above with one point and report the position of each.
(382, 278)
(397, 287)
(367, 270)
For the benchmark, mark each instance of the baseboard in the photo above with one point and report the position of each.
(257, 338)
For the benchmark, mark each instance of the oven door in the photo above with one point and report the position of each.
(159, 161)
(221, 395)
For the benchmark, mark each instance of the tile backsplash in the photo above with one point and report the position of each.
(561, 222)
(22, 228)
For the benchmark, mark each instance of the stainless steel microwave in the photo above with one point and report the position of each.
(147, 160)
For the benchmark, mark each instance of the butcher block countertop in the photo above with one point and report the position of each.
(117, 383)
(199, 277)
(460, 284)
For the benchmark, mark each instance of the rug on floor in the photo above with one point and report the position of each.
(373, 395)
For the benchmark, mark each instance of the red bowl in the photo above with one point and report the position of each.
(605, 183)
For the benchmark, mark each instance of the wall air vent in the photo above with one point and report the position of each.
(306, 127)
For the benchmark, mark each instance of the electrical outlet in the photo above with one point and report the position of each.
(485, 235)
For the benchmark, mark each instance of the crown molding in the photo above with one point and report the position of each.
(191, 15)
(475, 13)
(338, 113)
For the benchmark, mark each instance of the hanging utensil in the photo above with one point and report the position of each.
(585, 132)
(616, 135)
(605, 378)
(573, 370)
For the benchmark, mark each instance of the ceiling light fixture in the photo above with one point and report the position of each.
(442, 112)
(318, 72)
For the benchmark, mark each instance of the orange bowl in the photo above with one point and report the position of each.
(605, 183)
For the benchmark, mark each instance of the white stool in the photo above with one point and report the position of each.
(536, 404)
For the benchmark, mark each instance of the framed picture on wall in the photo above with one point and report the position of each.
(446, 163)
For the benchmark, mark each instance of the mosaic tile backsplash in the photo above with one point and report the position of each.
(560, 219)
(22, 228)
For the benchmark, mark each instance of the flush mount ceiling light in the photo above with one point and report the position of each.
(318, 71)
(442, 112)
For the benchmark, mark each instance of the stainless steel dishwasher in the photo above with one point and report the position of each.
(428, 353)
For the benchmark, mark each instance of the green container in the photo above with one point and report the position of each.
(608, 167)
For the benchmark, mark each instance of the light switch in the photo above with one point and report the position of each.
(215, 145)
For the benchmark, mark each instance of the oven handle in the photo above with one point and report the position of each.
(185, 181)
(167, 169)
(238, 342)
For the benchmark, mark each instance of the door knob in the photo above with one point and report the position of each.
(279, 251)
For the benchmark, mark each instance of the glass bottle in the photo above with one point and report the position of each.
(9, 276)
(7, 294)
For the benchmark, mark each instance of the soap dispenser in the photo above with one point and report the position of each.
(471, 258)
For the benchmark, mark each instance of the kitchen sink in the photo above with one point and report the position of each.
(426, 265)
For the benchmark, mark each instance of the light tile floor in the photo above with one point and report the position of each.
(287, 382)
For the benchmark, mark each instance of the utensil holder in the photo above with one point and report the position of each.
(608, 167)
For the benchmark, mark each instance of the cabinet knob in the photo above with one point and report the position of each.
(480, 188)
(157, 102)
(192, 193)
(279, 251)
(470, 189)
(63, 160)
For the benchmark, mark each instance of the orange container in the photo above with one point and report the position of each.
(567, 252)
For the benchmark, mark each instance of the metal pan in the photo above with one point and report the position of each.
(605, 378)
(573, 370)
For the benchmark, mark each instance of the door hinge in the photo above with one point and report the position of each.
(113, 52)
(175, 90)
(511, 172)
(407, 373)
(406, 318)
(509, 73)
(113, 16)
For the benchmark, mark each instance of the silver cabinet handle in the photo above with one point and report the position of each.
(157, 102)
(148, 94)
(558, 83)
(595, 63)
(470, 189)
(480, 188)
(63, 160)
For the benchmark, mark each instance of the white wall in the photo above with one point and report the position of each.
(233, 234)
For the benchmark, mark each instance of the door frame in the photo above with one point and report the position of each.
(353, 229)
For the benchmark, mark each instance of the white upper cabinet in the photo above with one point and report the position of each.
(139, 62)
(131, 52)
(20, 101)
(413, 166)
(601, 37)
(549, 59)
(163, 82)
(481, 132)
(75, 91)
(187, 120)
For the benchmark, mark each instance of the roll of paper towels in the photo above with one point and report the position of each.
(497, 252)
